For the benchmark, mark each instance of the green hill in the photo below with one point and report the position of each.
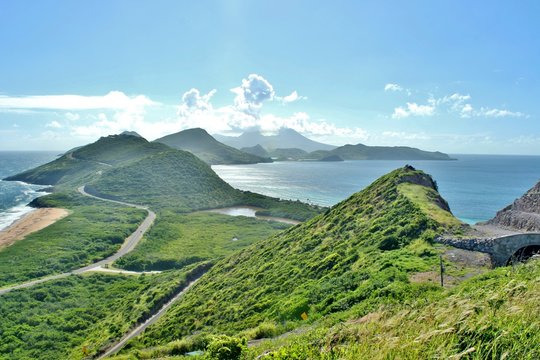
(364, 152)
(208, 149)
(256, 150)
(361, 251)
(172, 178)
(82, 164)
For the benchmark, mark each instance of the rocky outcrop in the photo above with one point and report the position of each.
(523, 214)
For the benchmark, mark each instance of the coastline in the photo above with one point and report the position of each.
(32, 221)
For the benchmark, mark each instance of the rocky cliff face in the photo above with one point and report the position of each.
(523, 214)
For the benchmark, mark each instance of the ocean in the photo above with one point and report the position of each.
(14, 195)
(475, 186)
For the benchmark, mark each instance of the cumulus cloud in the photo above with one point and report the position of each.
(499, 113)
(251, 94)
(72, 116)
(392, 87)
(54, 124)
(396, 88)
(413, 109)
(244, 113)
(405, 135)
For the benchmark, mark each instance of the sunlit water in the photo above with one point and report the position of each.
(476, 186)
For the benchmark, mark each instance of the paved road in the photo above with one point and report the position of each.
(128, 245)
(139, 329)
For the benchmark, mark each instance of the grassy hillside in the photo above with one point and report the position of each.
(93, 231)
(361, 251)
(177, 240)
(208, 149)
(64, 170)
(85, 163)
(491, 316)
(59, 319)
(173, 178)
(116, 149)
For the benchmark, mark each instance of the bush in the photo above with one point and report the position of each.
(226, 348)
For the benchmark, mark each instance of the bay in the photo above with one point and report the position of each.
(475, 186)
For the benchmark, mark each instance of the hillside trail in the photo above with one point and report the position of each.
(129, 244)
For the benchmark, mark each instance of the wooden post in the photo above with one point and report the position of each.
(442, 270)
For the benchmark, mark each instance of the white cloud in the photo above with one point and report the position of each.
(396, 88)
(499, 113)
(413, 109)
(113, 100)
(54, 124)
(292, 97)
(455, 104)
(196, 110)
(252, 93)
(392, 87)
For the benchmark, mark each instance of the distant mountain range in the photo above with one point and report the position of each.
(208, 149)
(285, 138)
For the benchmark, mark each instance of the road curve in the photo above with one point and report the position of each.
(139, 329)
(129, 244)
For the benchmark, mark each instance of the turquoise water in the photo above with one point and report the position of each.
(15, 195)
(475, 186)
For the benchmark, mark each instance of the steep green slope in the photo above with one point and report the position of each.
(63, 170)
(208, 149)
(61, 319)
(492, 316)
(173, 178)
(85, 163)
(360, 251)
(364, 152)
(116, 149)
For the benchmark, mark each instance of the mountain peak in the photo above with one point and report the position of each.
(131, 133)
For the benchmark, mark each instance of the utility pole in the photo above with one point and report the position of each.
(442, 270)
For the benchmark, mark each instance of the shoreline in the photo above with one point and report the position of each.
(32, 221)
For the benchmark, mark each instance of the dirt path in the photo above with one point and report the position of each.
(139, 329)
(129, 244)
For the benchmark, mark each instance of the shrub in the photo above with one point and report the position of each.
(224, 347)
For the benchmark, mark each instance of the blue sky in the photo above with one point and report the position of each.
(454, 76)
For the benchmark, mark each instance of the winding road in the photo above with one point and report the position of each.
(129, 244)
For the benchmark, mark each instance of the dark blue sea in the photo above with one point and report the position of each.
(475, 186)
(14, 195)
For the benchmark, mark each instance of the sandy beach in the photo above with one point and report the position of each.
(33, 221)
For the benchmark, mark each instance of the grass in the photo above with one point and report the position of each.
(362, 251)
(423, 198)
(75, 317)
(488, 317)
(93, 231)
(177, 240)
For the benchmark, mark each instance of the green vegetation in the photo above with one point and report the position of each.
(361, 252)
(208, 149)
(75, 317)
(62, 170)
(364, 152)
(177, 240)
(425, 198)
(174, 179)
(116, 149)
(93, 231)
(491, 316)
